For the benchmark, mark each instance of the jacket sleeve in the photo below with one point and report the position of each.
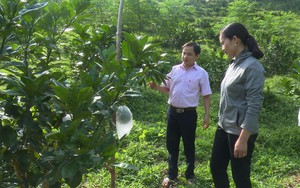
(254, 85)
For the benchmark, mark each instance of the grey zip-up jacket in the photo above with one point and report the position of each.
(242, 94)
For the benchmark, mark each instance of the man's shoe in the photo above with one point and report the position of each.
(191, 181)
(167, 182)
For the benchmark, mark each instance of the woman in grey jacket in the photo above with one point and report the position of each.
(240, 102)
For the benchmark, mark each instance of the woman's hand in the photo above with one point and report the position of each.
(240, 149)
(241, 145)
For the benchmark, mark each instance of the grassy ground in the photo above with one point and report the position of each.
(276, 161)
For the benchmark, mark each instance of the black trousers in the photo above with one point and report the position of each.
(181, 125)
(222, 153)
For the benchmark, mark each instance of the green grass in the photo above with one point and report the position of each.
(276, 159)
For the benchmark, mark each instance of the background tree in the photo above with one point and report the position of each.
(276, 32)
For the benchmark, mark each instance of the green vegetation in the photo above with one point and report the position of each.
(276, 160)
(58, 99)
(61, 85)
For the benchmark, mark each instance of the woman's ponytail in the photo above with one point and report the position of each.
(253, 47)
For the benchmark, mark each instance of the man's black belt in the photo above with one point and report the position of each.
(181, 110)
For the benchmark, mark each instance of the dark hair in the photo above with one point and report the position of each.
(196, 46)
(239, 30)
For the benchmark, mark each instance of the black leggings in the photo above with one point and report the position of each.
(222, 153)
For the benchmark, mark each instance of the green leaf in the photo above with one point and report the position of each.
(75, 181)
(19, 65)
(71, 129)
(107, 147)
(32, 8)
(33, 87)
(62, 93)
(15, 85)
(126, 50)
(8, 136)
(81, 30)
(48, 159)
(84, 140)
(132, 45)
(109, 54)
(57, 136)
(60, 155)
(85, 94)
(80, 5)
(23, 158)
(53, 8)
(56, 83)
(70, 169)
(143, 42)
(131, 93)
(126, 166)
(66, 11)
(12, 92)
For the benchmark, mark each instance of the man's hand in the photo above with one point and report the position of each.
(159, 88)
(152, 85)
(205, 122)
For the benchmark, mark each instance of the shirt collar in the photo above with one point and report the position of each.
(241, 57)
(195, 66)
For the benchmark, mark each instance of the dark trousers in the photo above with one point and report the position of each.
(222, 153)
(181, 125)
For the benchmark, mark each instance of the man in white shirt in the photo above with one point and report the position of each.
(185, 84)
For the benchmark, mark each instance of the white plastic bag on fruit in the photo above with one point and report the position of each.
(124, 121)
(299, 118)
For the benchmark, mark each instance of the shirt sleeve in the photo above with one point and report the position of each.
(167, 81)
(205, 85)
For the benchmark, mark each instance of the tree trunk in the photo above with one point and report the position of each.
(119, 31)
(113, 175)
(109, 167)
